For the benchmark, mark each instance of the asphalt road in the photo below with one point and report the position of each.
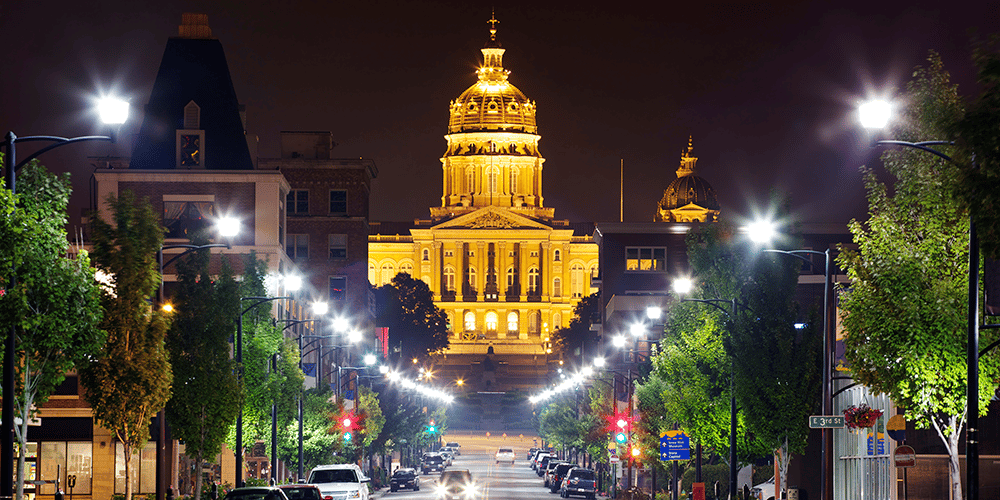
(495, 481)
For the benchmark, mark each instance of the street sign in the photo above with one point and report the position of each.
(674, 445)
(896, 427)
(826, 422)
(904, 456)
(614, 455)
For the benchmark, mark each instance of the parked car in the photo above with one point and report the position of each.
(301, 491)
(537, 458)
(505, 455)
(531, 451)
(548, 467)
(763, 491)
(340, 481)
(256, 493)
(556, 475)
(456, 484)
(457, 448)
(448, 458)
(404, 478)
(579, 481)
(432, 462)
(543, 463)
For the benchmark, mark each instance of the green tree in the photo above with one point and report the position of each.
(906, 307)
(55, 307)
(318, 442)
(129, 380)
(417, 327)
(206, 395)
(559, 422)
(576, 340)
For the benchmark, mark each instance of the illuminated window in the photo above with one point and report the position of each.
(534, 322)
(556, 255)
(63, 457)
(576, 280)
(471, 273)
(449, 279)
(373, 274)
(492, 175)
(470, 179)
(470, 321)
(645, 259)
(388, 272)
(142, 465)
(556, 321)
(184, 218)
(556, 287)
(511, 276)
(512, 322)
(533, 279)
(513, 180)
(427, 255)
(338, 287)
(406, 268)
(491, 321)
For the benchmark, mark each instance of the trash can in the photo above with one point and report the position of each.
(793, 493)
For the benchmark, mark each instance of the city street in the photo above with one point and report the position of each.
(495, 481)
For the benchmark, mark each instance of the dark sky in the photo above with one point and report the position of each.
(766, 89)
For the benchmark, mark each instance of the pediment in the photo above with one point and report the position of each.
(491, 218)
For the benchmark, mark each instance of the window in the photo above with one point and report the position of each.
(184, 218)
(297, 246)
(338, 246)
(143, 468)
(576, 280)
(512, 322)
(492, 175)
(471, 273)
(388, 272)
(534, 322)
(556, 255)
(192, 116)
(449, 253)
(511, 276)
(556, 321)
(491, 321)
(513, 180)
(69, 458)
(338, 201)
(556, 287)
(189, 148)
(470, 321)
(297, 202)
(534, 253)
(533, 279)
(373, 274)
(426, 255)
(338, 287)
(645, 259)
(470, 179)
(406, 268)
(449, 279)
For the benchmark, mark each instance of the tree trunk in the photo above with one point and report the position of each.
(784, 458)
(954, 429)
(198, 460)
(127, 452)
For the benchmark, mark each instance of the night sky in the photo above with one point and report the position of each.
(767, 90)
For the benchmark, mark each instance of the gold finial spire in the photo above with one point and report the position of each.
(688, 160)
(493, 26)
(690, 145)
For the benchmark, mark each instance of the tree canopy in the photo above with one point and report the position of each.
(417, 327)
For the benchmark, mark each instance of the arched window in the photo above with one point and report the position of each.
(471, 274)
(427, 255)
(556, 255)
(513, 180)
(449, 279)
(534, 322)
(492, 179)
(533, 279)
(470, 179)
(470, 321)
(556, 321)
(512, 322)
(556, 287)
(511, 276)
(406, 268)
(373, 274)
(576, 280)
(387, 273)
(450, 321)
(491, 321)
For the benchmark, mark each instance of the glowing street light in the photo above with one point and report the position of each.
(761, 231)
(874, 114)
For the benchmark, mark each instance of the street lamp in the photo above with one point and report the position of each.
(763, 232)
(290, 286)
(682, 286)
(112, 112)
(318, 308)
(875, 114)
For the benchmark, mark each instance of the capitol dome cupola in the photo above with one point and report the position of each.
(689, 198)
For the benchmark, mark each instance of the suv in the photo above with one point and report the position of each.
(505, 455)
(404, 478)
(340, 482)
(432, 462)
(555, 475)
(538, 458)
(548, 469)
(301, 491)
(456, 484)
(543, 463)
(579, 481)
(455, 447)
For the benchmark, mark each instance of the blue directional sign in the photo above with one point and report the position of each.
(675, 445)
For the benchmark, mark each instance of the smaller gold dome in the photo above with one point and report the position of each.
(688, 198)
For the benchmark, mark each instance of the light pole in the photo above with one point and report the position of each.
(112, 112)
(274, 454)
(239, 367)
(682, 286)
(875, 115)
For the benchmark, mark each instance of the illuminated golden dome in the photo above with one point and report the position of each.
(688, 198)
(492, 103)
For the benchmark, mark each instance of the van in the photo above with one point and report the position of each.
(340, 482)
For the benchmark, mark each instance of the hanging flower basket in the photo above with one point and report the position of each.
(861, 417)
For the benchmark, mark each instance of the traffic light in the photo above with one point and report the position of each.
(431, 428)
(348, 424)
(621, 435)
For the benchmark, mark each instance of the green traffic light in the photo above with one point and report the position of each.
(621, 438)
(431, 429)
(347, 436)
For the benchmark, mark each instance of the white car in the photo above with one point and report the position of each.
(505, 455)
(340, 482)
(763, 491)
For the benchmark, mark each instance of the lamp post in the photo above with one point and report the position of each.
(875, 115)
(683, 286)
(112, 112)
(274, 454)
(239, 363)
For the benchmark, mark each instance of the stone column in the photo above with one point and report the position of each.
(545, 270)
(481, 264)
(501, 261)
(459, 269)
(437, 270)
(522, 272)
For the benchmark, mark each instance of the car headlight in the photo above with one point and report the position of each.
(470, 490)
(441, 490)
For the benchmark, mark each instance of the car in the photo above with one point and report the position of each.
(404, 478)
(557, 474)
(432, 462)
(457, 448)
(548, 467)
(531, 451)
(301, 491)
(456, 484)
(340, 482)
(579, 481)
(256, 493)
(448, 457)
(538, 458)
(763, 491)
(543, 463)
(505, 455)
